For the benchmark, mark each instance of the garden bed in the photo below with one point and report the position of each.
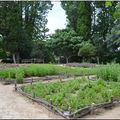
(42, 70)
(73, 99)
(84, 65)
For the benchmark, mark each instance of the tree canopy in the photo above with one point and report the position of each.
(92, 31)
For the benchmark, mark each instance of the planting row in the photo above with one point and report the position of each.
(42, 70)
(110, 72)
(75, 94)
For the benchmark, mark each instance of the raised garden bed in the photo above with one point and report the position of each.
(73, 99)
(84, 65)
(42, 70)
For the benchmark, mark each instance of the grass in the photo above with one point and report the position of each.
(110, 72)
(43, 70)
(76, 94)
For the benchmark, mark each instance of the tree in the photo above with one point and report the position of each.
(42, 50)
(20, 22)
(112, 40)
(86, 50)
(79, 17)
(104, 19)
(65, 43)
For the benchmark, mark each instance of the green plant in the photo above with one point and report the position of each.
(44, 70)
(75, 93)
(19, 76)
(109, 72)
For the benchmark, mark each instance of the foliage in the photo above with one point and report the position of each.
(19, 75)
(76, 93)
(43, 70)
(87, 50)
(18, 31)
(65, 43)
(112, 40)
(79, 16)
(42, 50)
(109, 72)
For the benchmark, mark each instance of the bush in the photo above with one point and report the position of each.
(110, 72)
(76, 94)
(19, 76)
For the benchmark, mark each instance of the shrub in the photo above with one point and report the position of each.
(75, 93)
(109, 72)
(19, 76)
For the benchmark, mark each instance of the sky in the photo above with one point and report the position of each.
(56, 18)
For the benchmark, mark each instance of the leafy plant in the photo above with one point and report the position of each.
(75, 94)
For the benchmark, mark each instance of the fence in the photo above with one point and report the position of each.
(67, 114)
(32, 60)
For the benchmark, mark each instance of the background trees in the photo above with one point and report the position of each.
(92, 31)
(65, 43)
(79, 17)
(20, 23)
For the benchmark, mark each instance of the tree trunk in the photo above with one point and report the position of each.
(14, 60)
(67, 59)
(18, 57)
(83, 59)
(58, 60)
(98, 60)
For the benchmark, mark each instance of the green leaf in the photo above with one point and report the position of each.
(108, 3)
(116, 15)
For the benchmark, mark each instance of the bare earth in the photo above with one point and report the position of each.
(113, 113)
(15, 106)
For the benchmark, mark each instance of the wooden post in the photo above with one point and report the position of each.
(51, 102)
(32, 81)
(69, 109)
(33, 91)
(15, 85)
(60, 78)
(92, 109)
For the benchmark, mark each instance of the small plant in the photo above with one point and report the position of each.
(109, 72)
(44, 70)
(75, 93)
(19, 76)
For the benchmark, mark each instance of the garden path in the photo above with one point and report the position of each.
(15, 106)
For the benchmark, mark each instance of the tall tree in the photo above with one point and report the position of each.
(20, 23)
(65, 43)
(104, 19)
(79, 17)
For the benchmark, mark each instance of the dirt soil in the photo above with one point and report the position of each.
(15, 106)
(113, 113)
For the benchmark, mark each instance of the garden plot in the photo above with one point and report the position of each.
(42, 70)
(73, 97)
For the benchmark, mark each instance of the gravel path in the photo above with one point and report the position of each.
(15, 106)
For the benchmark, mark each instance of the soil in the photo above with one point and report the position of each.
(113, 113)
(15, 106)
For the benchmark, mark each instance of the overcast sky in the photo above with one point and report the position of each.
(56, 18)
